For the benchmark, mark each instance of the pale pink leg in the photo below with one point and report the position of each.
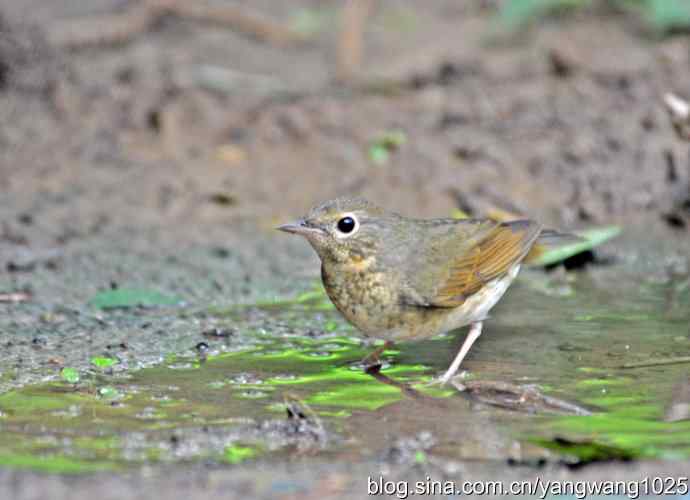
(474, 333)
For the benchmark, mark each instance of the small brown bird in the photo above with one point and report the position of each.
(397, 278)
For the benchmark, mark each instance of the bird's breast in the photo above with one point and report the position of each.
(365, 295)
(368, 298)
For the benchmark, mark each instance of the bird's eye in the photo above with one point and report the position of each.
(347, 225)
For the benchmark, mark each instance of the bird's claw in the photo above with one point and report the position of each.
(445, 378)
(437, 382)
(373, 368)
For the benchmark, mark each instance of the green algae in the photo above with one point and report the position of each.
(574, 350)
(236, 454)
(30, 400)
(70, 375)
(640, 435)
(313, 300)
(85, 422)
(102, 362)
(630, 417)
(601, 382)
(122, 298)
(55, 464)
(585, 452)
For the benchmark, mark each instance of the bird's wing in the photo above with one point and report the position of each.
(458, 257)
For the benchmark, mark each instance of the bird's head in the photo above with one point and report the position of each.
(345, 229)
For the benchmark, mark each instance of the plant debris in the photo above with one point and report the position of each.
(524, 398)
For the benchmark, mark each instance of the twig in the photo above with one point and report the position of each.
(229, 81)
(516, 397)
(106, 29)
(115, 29)
(679, 113)
(657, 362)
(238, 18)
(404, 388)
(349, 58)
(14, 298)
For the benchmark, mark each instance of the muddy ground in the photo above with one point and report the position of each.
(163, 163)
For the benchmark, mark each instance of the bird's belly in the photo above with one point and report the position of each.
(374, 308)
(477, 307)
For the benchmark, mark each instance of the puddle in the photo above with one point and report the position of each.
(152, 415)
(226, 404)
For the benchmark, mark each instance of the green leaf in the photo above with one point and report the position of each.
(310, 22)
(456, 213)
(393, 139)
(517, 13)
(131, 297)
(70, 375)
(381, 148)
(665, 15)
(101, 362)
(378, 154)
(590, 238)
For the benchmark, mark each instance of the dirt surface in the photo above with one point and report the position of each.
(164, 162)
(133, 135)
(342, 481)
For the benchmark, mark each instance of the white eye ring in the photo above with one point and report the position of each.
(347, 225)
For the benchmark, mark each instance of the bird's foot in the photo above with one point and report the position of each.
(437, 382)
(445, 378)
(373, 368)
(474, 333)
(372, 362)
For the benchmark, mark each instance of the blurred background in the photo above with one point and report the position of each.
(150, 314)
(174, 113)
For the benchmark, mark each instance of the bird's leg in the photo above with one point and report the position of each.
(473, 334)
(371, 361)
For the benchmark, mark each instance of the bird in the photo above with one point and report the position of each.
(398, 279)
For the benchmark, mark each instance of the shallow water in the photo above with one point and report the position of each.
(568, 334)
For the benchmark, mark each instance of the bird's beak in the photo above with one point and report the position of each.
(300, 227)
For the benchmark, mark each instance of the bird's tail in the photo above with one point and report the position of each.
(548, 240)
